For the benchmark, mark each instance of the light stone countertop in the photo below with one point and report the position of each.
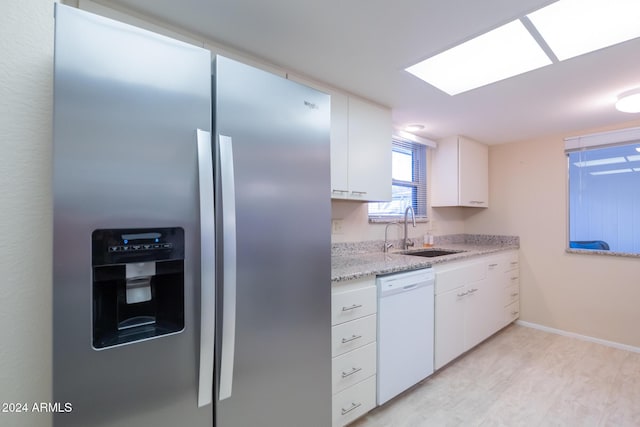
(346, 265)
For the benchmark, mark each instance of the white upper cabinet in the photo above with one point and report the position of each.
(360, 146)
(339, 141)
(460, 173)
(369, 152)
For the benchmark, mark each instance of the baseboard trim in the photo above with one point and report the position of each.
(580, 337)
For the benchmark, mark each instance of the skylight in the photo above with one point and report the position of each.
(565, 29)
(576, 27)
(499, 54)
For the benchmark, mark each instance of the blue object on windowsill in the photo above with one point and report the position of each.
(589, 244)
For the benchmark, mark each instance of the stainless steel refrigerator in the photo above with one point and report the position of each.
(191, 236)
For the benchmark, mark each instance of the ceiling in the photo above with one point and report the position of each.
(363, 46)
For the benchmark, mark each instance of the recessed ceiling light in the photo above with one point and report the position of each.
(629, 102)
(575, 27)
(638, 149)
(505, 52)
(413, 128)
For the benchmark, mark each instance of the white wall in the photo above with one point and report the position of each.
(356, 226)
(591, 295)
(26, 49)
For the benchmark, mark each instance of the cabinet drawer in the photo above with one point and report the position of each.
(512, 277)
(354, 402)
(512, 312)
(511, 294)
(456, 275)
(351, 335)
(513, 262)
(352, 367)
(353, 304)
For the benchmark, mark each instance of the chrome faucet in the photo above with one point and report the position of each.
(387, 246)
(405, 244)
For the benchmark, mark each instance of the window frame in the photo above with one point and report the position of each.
(418, 184)
(586, 143)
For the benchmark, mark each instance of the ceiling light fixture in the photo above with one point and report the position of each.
(505, 52)
(413, 128)
(576, 27)
(629, 102)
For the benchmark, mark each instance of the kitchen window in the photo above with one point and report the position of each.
(604, 200)
(409, 182)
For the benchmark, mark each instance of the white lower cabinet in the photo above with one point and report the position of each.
(474, 299)
(449, 326)
(354, 402)
(354, 349)
(353, 367)
(354, 334)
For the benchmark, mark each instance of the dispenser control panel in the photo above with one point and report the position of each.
(138, 284)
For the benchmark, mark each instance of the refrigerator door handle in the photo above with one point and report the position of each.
(207, 268)
(229, 267)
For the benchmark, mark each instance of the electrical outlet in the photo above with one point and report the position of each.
(336, 226)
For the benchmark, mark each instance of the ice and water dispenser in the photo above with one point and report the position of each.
(138, 284)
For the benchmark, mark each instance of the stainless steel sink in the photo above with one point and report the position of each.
(431, 253)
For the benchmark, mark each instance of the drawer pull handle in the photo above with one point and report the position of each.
(493, 265)
(514, 278)
(514, 262)
(463, 294)
(515, 294)
(473, 290)
(339, 191)
(353, 338)
(358, 193)
(351, 372)
(353, 406)
(515, 313)
(353, 307)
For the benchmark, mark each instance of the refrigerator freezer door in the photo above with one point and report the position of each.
(126, 108)
(282, 359)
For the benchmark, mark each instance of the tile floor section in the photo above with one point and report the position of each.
(523, 377)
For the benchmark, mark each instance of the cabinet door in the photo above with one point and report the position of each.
(495, 287)
(444, 173)
(480, 312)
(369, 151)
(473, 173)
(339, 145)
(450, 326)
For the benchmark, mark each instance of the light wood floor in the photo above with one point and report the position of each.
(523, 377)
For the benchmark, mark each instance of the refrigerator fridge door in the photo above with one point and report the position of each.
(274, 361)
(127, 251)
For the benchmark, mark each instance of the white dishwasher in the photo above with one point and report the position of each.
(405, 331)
